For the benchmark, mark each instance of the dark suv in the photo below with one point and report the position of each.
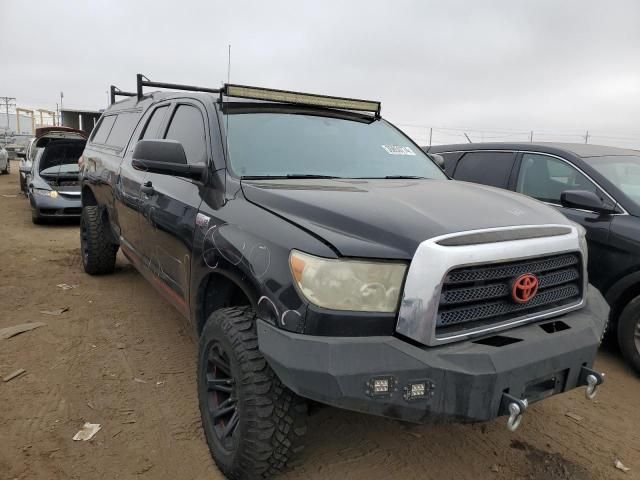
(595, 186)
(320, 254)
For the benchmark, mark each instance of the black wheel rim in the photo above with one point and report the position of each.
(222, 401)
(83, 242)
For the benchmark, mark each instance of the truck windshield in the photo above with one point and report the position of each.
(292, 145)
(621, 170)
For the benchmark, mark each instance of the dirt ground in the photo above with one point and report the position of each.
(122, 357)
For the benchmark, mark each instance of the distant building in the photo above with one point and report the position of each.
(80, 119)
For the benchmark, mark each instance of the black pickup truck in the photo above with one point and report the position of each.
(321, 255)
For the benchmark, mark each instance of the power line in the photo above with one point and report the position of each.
(7, 101)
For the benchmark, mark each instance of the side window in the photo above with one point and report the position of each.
(103, 129)
(545, 178)
(187, 127)
(488, 168)
(122, 129)
(151, 130)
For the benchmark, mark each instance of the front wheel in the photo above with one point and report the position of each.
(98, 252)
(252, 422)
(629, 333)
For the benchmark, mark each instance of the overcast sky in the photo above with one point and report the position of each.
(555, 67)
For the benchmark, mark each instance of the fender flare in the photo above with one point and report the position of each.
(236, 277)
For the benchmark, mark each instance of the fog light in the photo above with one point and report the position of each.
(381, 386)
(53, 194)
(419, 390)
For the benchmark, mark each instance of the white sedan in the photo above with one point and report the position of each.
(5, 165)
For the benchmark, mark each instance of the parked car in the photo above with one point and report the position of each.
(52, 185)
(24, 166)
(5, 164)
(12, 150)
(595, 186)
(320, 254)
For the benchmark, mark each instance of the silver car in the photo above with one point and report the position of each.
(52, 184)
(5, 164)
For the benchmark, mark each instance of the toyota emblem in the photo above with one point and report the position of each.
(524, 288)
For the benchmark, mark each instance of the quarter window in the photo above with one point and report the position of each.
(545, 178)
(103, 129)
(187, 127)
(122, 129)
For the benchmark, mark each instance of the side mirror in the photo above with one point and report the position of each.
(437, 159)
(165, 157)
(583, 199)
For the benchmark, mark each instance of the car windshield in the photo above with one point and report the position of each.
(621, 170)
(304, 145)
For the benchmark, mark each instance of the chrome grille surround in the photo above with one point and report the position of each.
(432, 262)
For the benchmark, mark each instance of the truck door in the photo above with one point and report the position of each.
(172, 203)
(129, 198)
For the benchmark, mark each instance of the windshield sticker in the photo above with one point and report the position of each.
(398, 150)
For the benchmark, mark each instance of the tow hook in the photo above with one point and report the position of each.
(515, 407)
(592, 380)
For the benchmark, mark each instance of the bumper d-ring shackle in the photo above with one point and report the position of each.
(516, 408)
(592, 380)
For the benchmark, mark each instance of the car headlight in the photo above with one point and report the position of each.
(357, 285)
(46, 193)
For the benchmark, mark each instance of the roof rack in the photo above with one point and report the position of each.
(269, 94)
(143, 81)
(116, 92)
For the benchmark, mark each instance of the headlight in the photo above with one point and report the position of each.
(46, 193)
(348, 284)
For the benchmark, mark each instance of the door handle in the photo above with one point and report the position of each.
(147, 188)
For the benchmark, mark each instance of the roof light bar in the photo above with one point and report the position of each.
(116, 92)
(284, 96)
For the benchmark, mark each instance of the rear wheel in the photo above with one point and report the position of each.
(98, 252)
(7, 168)
(629, 333)
(252, 422)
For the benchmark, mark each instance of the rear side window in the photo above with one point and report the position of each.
(103, 129)
(122, 129)
(153, 125)
(187, 127)
(488, 168)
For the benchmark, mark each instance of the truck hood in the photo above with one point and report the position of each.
(389, 218)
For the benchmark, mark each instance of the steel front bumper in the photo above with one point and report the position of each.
(465, 381)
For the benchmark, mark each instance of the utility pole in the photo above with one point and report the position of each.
(8, 102)
(586, 137)
(531, 136)
(61, 97)
(430, 135)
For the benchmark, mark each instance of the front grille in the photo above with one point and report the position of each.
(478, 296)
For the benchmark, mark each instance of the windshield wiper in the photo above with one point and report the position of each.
(291, 175)
(410, 177)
